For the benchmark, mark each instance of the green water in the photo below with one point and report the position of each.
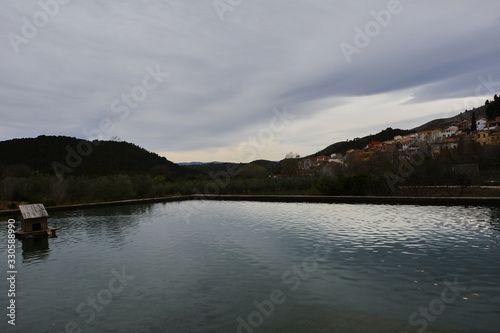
(248, 266)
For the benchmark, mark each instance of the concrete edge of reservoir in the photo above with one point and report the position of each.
(440, 201)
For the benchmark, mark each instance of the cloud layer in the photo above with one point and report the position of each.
(69, 66)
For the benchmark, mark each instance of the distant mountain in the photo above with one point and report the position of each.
(214, 167)
(198, 163)
(72, 156)
(252, 169)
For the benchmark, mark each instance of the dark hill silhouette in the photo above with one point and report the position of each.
(21, 157)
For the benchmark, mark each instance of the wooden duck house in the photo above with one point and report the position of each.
(34, 221)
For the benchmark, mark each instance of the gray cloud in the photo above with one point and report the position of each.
(225, 77)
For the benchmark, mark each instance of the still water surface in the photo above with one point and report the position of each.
(152, 268)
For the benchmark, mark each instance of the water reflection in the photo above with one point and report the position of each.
(494, 218)
(385, 261)
(115, 224)
(35, 249)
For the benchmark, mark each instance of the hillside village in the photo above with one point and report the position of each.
(480, 131)
(458, 152)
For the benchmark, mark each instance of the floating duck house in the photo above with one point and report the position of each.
(34, 221)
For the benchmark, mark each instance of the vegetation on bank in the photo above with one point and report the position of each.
(51, 190)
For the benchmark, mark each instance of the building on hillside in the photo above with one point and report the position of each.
(488, 137)
(350, 152)
(353, 155)
(318, 161)
(389, 146)
(305, 164)
(405, 143)
(322, 159)
(448, 143)
(337, 161)
(463, 125)
(481, 124)
(374, 145)
(450, 131)
(492, 125)
(366, 155)
(430, 136)
(336, 158)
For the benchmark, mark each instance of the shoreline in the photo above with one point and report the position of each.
(378, 200)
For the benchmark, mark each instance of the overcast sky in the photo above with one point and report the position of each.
(233, 80)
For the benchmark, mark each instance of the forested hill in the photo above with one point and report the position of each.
(72, 156)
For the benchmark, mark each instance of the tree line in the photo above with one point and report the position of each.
(51, 190)
(493, 108)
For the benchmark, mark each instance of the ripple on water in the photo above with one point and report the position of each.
(377, 259)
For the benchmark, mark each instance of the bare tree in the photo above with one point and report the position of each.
(292, 155)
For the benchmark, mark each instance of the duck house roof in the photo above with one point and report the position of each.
(33, 211)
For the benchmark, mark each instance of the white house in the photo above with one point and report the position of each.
(405, 143)
(447, 133)
(336, 158)
(491, 125)
(481, 124)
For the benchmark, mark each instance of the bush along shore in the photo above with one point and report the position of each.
(53, 191)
